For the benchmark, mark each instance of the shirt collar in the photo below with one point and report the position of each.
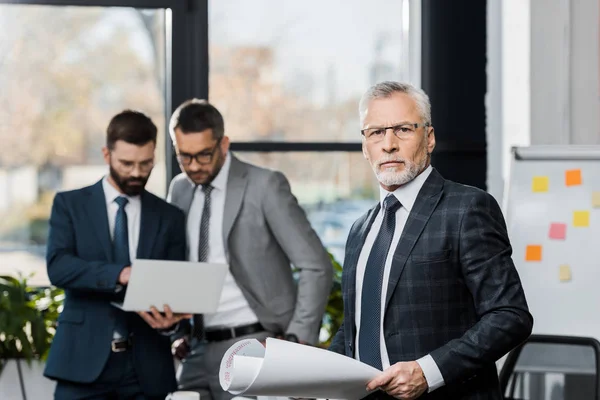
(110, 193)
(407, 193)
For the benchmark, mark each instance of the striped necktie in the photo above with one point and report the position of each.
(198, 320)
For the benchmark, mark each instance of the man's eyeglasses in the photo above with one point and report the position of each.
(402, 131)
(129, 166)
(203, 158)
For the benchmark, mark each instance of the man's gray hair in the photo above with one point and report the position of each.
(388, 88)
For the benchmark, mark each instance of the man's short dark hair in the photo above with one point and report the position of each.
(132, 127)
(196, 115)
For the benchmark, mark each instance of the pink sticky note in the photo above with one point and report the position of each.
(558, 231)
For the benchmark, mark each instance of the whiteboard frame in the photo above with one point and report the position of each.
(546, 152)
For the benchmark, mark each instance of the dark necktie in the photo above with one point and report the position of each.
(121, 256)
(198, 321)
(370, 305)
(121, 235)
(204, 225)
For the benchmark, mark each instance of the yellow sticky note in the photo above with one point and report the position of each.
(596, 199)
(573, 177)
(540, 184)
(581, 218)
(564, 273)
(533, 252)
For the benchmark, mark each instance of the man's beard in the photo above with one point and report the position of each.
(392, 178)
(129, 186)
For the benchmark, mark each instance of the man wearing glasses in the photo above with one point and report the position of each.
(431, 295)
(247, 217)
(100, 351)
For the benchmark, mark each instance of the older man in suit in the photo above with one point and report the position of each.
(245, 216)
(96, 232)
(431, 294)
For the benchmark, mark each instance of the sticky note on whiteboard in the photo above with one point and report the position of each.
(596, 199)
(540, 184)
(533, 253)
(557, 231)
(564, 273)
(573, 177)
(581, 219)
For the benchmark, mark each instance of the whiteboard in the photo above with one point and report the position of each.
(557, 185)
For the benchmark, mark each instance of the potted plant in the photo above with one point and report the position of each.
(27, 323)
(334, 311)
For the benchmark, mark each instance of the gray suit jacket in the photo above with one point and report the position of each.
(265, 231)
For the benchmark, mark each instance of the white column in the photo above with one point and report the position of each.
(585, 92)
(493, 100)
(564, 72)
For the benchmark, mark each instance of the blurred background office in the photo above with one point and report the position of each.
(287, 76)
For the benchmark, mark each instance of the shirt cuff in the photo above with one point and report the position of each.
(432, 373)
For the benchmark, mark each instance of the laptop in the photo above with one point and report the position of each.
(187, 287)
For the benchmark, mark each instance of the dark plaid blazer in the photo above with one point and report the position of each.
(453, 289)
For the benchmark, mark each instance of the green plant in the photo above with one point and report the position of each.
(27, 319)
(334, 312)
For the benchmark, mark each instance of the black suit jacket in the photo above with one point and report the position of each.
(80, 260)
(453, 290)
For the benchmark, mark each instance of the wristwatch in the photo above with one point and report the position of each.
(290, 337)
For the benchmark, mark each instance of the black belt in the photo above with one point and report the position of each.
(217, 335)
(119, 345)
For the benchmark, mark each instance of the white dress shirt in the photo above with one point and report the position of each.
(133, 209)
(407, 195)
(233, 309)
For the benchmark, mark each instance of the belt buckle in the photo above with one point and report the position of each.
(116, 349)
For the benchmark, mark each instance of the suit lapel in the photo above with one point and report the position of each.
(98, 216)
(185, 201)
(236, 186)
(149, 225)
(426, 202)
(355, 245)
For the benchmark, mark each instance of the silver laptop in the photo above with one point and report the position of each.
(187, 287)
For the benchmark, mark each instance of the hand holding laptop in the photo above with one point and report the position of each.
(185, 288)
(158, 320)
(124, 276)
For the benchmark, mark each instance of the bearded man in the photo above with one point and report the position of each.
(100, 351)
(431, 295)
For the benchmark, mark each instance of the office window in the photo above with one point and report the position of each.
(334, 188)
(295, 71)
(288, 77)
(64, 72)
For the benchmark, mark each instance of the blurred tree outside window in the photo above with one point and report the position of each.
(64, 73)
(295, 72)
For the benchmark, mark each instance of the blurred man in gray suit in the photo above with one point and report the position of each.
(431, 295)
(245, 216)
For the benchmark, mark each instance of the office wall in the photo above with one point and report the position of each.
(564, 72)
(543, 85)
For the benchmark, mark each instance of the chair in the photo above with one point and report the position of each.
(552, 368)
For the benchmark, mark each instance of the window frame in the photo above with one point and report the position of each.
(186, 73)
